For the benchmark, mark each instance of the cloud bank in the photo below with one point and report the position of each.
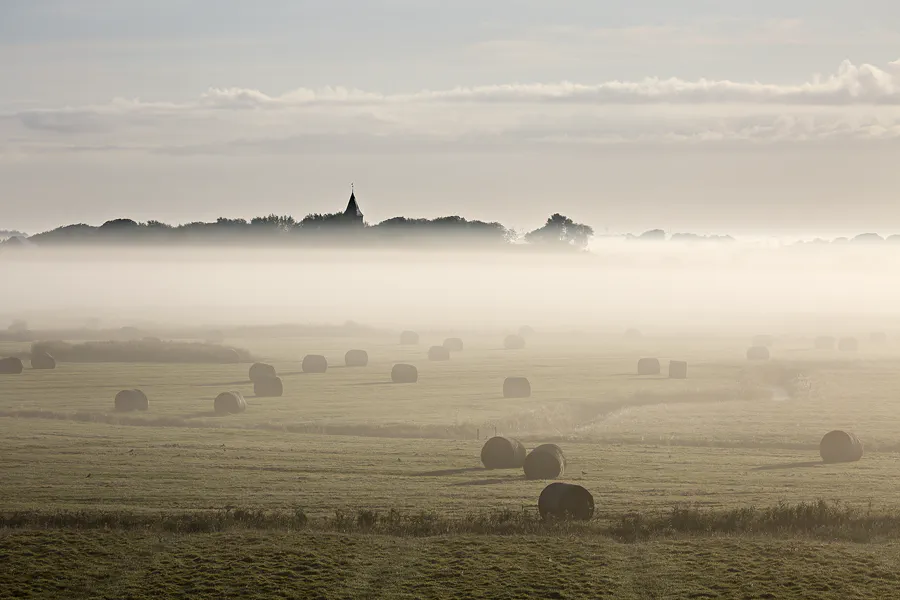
(856, 101)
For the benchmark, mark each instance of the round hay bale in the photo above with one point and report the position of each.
(131, 400)
(839, 446)
(848, 344)
(314, 363)
(766, 341)
(42, 361)
(356, 358)
(879, 338)
(758, 353)
(403, 373)
(547, 461)
(678, 369)
(268, 387)
(632, 335)
(409, 338)
(502, 453)
(825, 342)
(453, 344)
(649, 366)
(229, 403)
(151, 340)
(11, 366)
(260, 371)
(438, 353)
(514, 342)
(516, 387)
(566, 501)
(526, 331)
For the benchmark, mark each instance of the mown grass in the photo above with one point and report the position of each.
(247, 564)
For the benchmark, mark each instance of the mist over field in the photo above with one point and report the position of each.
(664, 287)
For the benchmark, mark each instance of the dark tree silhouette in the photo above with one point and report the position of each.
(561, 231)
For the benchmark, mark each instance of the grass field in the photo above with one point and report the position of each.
(87, 492)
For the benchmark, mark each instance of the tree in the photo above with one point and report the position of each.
(560, 230)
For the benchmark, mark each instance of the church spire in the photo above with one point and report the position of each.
(352, 207)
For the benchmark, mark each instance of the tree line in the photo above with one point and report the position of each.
(559, 232)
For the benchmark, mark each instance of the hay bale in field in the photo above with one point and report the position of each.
(765, 341)
(403, 373)
(514, 342)
(758, 353)
(438, 353)
(516, 387)
(268, 387)
(879, 338)
(229, 403)
(566, 501)
(678, 369)
(131, 400)
(547, 461)
(649, 366)
(356, 358)
(314, 363)
(502, 453)
(839, 446)
(42, 361)
(825, 342)
(453, 344)
(11, 366)
(526, 331)
(261, 371)
(848, 344)
(409, 338)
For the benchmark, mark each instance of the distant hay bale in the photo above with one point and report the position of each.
(42, 361)
(758, 353)
(502, 453)
(632, 335)
(649, 366)
(848, 344)
(514, 342)
(678, 369)
(765, 341)
(547, 461)
(453, 344)
(356, 358)
(403, 373)
(11, 366)
(566, 501)
(409, 338)
(260, 371)
(825, 342)
(314, 363)
(879, 338)
(839, 446)
(268, 387)
(438, 353)
(229, 403)
(516, 387)
(526, 331)
(151, 340)
(131, 400)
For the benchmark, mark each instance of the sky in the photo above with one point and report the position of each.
(707, 116)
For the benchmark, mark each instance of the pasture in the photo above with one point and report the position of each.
(87, 491)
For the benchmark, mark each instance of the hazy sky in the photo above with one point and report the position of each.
(704, 115)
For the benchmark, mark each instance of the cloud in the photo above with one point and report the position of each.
(856, 101)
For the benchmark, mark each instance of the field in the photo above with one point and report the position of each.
(349, 486)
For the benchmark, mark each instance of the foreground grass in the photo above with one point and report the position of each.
(312, 564)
